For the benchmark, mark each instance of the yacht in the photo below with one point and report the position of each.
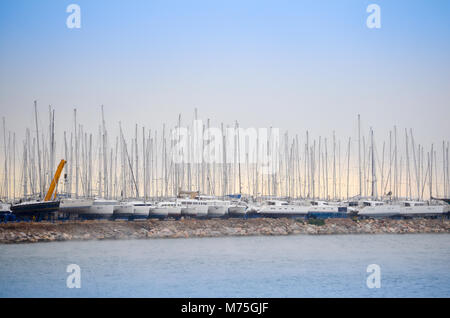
(324, 209)
(216, 208)
(378, 209)
(5, 207)
(352, 207)
(193, 207)
(5, 211)
(35, 209)
(41, 209)
(171, 209)
(100, 209)
(71, 207)
(237, 210)
(141, 209)
(421, 209)
(277, 208)
(124, 210)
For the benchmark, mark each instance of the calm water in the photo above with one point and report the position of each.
(293, 266)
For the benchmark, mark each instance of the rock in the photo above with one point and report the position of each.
(76, 230)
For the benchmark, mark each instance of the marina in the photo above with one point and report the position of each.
(161, 175)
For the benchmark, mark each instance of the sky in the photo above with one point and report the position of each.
(296, 65)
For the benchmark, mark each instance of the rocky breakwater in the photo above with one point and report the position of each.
(29, 232)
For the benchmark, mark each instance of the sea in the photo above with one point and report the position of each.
(391, 265)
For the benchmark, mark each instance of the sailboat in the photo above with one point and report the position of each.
(237, 208)
(40, 209)
(446, 200)
(216, 208)
(5, 211)
(278, 209)
(171, 209)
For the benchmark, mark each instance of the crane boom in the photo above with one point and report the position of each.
(48, 196)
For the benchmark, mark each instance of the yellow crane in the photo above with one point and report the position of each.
(48, 196)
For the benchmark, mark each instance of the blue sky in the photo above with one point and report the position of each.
(296, 65)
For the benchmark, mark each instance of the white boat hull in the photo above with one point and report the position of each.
(217, 211)
(283, 211)
(195, 211)
(425, 210)
(74, 206)
(174, 211)
(237, 211)
(380, 211)
(123, 211)
(5, 208)
(97, 211)
(159, 212)
(141, 211)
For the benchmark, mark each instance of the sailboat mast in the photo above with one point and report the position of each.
(76, 152)
(38, 149)
(239, 157)
(373, 165)
(334, 165)
(348, 166)
(359, 155)
(105, 160)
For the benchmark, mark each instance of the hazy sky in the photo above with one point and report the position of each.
(296, 65)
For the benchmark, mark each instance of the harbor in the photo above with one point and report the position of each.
(195, 170)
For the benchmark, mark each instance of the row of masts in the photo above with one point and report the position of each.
(145, 166)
